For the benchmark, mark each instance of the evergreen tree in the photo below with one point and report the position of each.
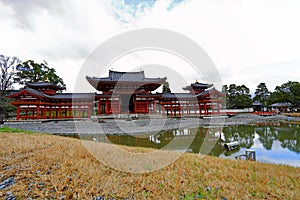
(166, 88)
(30, 71)
(262, 94)
(287, 92)
(238, 96)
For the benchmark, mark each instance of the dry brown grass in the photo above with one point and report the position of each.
(292, 114)
(46, 166)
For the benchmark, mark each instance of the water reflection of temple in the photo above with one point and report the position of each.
(190, 140)
(194, 139)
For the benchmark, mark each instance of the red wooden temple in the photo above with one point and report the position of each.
(120, 92)
(203, 99)
(126, 92)
(44, 100)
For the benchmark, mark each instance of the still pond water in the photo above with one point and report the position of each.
(274, 143)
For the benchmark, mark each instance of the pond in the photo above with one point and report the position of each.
(274, 143)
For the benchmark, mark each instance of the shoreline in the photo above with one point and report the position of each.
(142, 126)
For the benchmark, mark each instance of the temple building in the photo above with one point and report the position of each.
(119, 93)
(44, 100)
(203, 99)
(126, 92)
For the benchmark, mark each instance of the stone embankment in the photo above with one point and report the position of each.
(123, 126)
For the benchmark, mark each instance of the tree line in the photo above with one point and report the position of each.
(238, 96)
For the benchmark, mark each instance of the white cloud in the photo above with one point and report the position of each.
(250, 41)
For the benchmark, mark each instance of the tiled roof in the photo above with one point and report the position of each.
(281, 104)
(177, 96)
(106, 95)
(73, 96)
(198, 85)
(45, 85)
(256, 103)
(201, 85)
(41, 84)
(148, 95)
(69, 96)
(127, 76)
(115, 76)
(36, 92)
(28, 90)
(209, 92)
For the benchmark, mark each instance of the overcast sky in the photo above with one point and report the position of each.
(250, 41)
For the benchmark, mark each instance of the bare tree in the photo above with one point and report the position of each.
(7, 72)
(8, 67)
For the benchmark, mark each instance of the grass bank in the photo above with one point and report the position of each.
(292, 114)
(47, 166)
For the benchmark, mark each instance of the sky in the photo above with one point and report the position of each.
(249, 41)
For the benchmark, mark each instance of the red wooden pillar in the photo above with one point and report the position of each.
(89, 112)
(99, 107)
(26, 112)
(205, 110)
(69, 112)
(38, 112)
(50, 112)
(134, 102)
(78, 112)
(59, 112)
(147, 106)
(200, 109)
(44, 112)
(106, 106)
(218, 108)
(18, 113)
(154, 105)
(119, 105)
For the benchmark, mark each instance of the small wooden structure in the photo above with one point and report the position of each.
(231, 145)
(249, 155)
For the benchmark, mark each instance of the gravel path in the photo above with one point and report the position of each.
(118, 126)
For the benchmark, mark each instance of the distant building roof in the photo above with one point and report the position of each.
(44, 84)
(281, 104)
(256, 103)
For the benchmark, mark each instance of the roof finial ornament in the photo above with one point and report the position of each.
(196, 81)
(47, 80)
